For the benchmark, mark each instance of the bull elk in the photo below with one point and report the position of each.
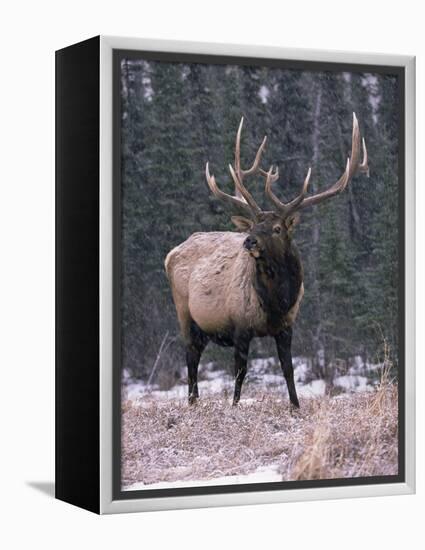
(231, 287)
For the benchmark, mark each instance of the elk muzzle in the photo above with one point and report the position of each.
(252, 245)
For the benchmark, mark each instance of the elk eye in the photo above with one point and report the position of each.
(277, 229)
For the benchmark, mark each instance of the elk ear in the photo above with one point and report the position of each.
(291, 222)
(243, 224)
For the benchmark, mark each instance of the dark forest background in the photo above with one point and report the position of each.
(176, 116)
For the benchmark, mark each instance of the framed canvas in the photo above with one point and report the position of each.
(234, 274)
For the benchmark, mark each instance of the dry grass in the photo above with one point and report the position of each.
(350, 435)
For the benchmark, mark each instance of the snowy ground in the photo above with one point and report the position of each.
(167, 443)
(263, 474)
(263, 374)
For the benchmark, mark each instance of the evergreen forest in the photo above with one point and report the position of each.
(176, 116)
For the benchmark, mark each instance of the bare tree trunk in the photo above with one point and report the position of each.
(319, 362)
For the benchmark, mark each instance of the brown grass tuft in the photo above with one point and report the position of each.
(313, 462)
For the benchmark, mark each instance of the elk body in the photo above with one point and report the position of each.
(231, 287)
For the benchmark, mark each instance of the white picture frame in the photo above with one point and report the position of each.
(108, 503)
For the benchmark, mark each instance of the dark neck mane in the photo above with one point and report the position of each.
(277, 283)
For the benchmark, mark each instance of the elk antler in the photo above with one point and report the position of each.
(243, 201)
(284, 209)
(239, 204)
(353, 167)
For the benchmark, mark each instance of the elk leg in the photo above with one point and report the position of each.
(193, 355)
(198, 341)
(241, 359)
(283, 344)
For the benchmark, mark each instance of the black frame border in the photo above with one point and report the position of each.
(77, 183)
(286, 63)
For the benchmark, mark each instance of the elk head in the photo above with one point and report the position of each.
(270, 231)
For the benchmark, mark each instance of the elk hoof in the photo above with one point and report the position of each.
(193, 399)
(294, 407)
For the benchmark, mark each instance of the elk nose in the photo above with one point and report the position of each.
(250, 242)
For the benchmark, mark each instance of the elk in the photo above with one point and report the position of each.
(230, 287)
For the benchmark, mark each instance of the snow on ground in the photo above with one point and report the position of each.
(264, 474)
(264, 374)
(314, 389)
(352, 382)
